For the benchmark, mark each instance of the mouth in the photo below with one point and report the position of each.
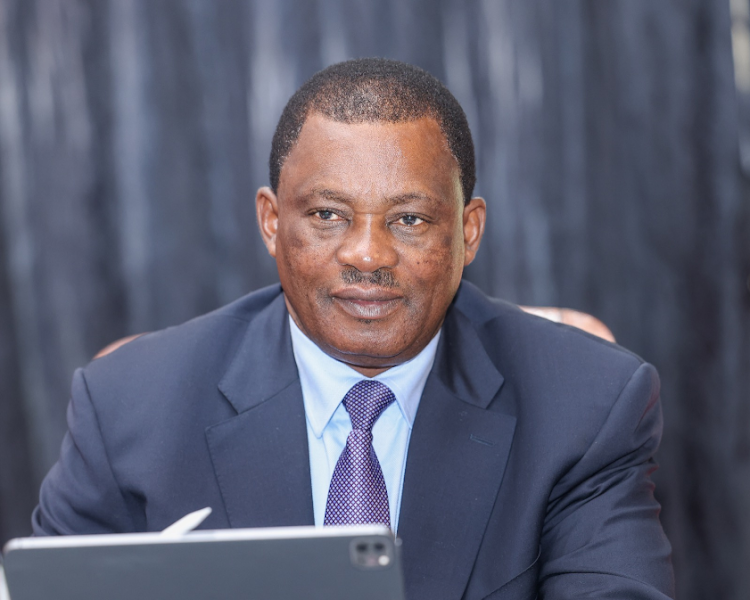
(367, 303)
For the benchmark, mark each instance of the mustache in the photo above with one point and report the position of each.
(380, 277)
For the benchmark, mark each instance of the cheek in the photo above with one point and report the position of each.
(440, 260)
(290, 237)
(302, 259)
(433, 274)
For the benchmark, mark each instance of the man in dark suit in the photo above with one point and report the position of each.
(513, 455)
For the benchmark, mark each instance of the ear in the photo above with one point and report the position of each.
(475, 215)
(267, 211)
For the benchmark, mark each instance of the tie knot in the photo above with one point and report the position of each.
(365, 401)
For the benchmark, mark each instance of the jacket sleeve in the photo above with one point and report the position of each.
(602, 536)
(80, 495)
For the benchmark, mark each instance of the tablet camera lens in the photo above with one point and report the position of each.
(371, 553)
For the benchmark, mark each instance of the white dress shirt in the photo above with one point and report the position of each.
(325, 381)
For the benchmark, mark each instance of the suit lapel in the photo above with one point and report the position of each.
(457, 456)
(260, 456)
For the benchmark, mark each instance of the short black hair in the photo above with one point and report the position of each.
(370, 90)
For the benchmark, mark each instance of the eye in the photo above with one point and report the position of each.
(326, 215)
(410, 220)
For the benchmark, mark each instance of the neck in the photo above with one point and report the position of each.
(369, 371)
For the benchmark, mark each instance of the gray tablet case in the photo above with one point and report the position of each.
(347, 563)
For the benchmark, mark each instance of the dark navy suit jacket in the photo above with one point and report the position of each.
(528, 469)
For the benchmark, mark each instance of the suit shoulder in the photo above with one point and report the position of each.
(561, 383)
(532, 349)
(191, 350)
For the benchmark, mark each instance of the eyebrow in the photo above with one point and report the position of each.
(333, 195)
(328, 195)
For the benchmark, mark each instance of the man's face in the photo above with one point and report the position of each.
(370, 236)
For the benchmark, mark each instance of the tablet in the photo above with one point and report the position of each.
(288, 563)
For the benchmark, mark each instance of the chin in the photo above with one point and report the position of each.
(367, 352)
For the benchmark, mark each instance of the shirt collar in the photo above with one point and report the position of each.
(325, 380)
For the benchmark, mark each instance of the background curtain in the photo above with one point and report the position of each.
(134, 133)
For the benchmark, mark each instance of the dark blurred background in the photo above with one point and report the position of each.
(613, 142)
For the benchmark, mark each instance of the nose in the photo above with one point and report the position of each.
(367, 245)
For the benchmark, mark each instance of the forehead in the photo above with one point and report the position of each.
(372, 158)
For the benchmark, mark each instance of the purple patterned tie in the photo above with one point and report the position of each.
(357, 494)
